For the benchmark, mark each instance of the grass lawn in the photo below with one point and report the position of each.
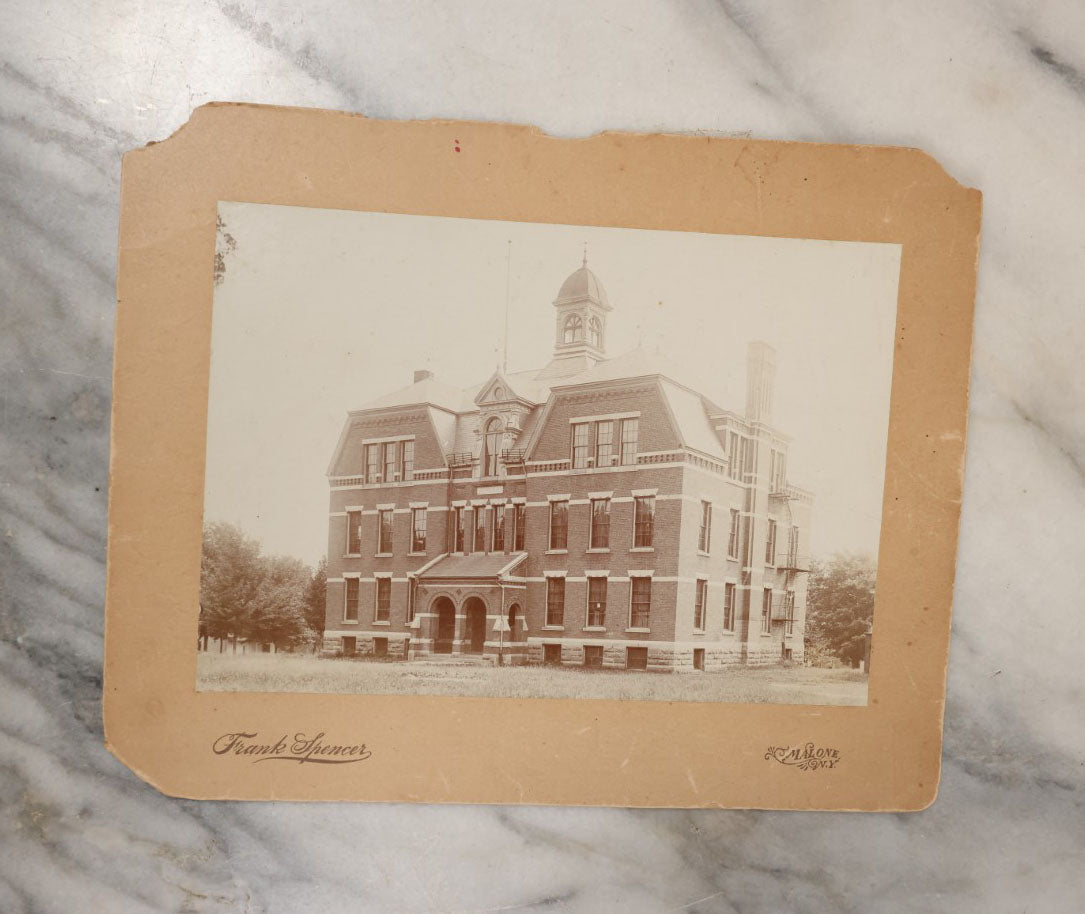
(305, 673)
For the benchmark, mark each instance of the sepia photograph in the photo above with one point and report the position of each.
(470, 457)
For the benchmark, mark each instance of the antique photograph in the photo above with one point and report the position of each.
(469, 457)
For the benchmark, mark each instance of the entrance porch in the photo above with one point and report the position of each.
(470, 607)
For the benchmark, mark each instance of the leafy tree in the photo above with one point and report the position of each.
(230, 578)
(840, 607)
(278, 613)
(244, 594)
(317, 599)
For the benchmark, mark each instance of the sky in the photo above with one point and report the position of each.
(319, 311)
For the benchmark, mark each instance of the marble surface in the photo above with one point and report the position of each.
(995, 90)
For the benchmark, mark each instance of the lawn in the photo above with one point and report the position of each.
(305, 673)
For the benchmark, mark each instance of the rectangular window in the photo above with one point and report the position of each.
(350, 607)
(766, 610)
(640, 600)
(704, 537)
(384, 543)
(699, 604)
(457, 528)
(593, 656)
(389, 461)
(604, 443)
(734, 457)
(581, 444)
(600, 523)
(354, 532)
(480, 529)
(770, 544)
(350, 646)
(630, 433)
(372, 463)
(636, 658)
(597, 602)
(793, 547)
(418, 530)
(555, 601)
(559, 525)
(519, 517)
(497, 528)
(789, 611)
(411, 584)
(380, 647)
(728, 607)
(406, 459)
(644, 513)
(384, 599)
(778, 472)
(732, 536)
(552, 654)
(698, 658)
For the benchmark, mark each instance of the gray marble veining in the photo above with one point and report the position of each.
(995, 91)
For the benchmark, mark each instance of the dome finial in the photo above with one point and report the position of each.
(585, 253)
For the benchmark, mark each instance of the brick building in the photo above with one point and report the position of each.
(594, 512)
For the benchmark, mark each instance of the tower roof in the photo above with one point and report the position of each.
(582, 285)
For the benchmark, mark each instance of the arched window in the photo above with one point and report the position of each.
(574, 329)
(595, 333)
(492, 447)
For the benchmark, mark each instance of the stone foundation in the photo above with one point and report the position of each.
(662, 658)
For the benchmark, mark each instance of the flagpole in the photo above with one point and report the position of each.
(508, 286)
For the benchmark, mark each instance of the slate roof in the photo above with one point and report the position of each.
(690, 407)
(429, 391)
(583, 284)
(475, 565)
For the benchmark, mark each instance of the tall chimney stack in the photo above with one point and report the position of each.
(760, 379)
(422, 375)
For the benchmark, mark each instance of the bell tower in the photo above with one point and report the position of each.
(580, 322)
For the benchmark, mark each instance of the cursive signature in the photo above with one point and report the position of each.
(808, 757)
(302, 749)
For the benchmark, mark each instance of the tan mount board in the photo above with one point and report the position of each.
(542, 751)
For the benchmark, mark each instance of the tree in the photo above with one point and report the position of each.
(840, 606)
(230, 577)
(317, 599)
(278, 613)
(244, 594)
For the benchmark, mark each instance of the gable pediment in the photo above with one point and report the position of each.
(497, 390)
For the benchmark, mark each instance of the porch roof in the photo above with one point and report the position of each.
(476, 565)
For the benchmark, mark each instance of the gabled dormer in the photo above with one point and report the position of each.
(502, 412)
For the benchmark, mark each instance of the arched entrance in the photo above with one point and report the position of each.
(446, 625)
(475, 617)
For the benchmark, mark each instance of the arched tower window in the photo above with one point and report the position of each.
(595, 332)
(492, 447)
(574, 329)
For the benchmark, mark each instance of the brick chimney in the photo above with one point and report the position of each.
(422, 375)
(760, 379)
